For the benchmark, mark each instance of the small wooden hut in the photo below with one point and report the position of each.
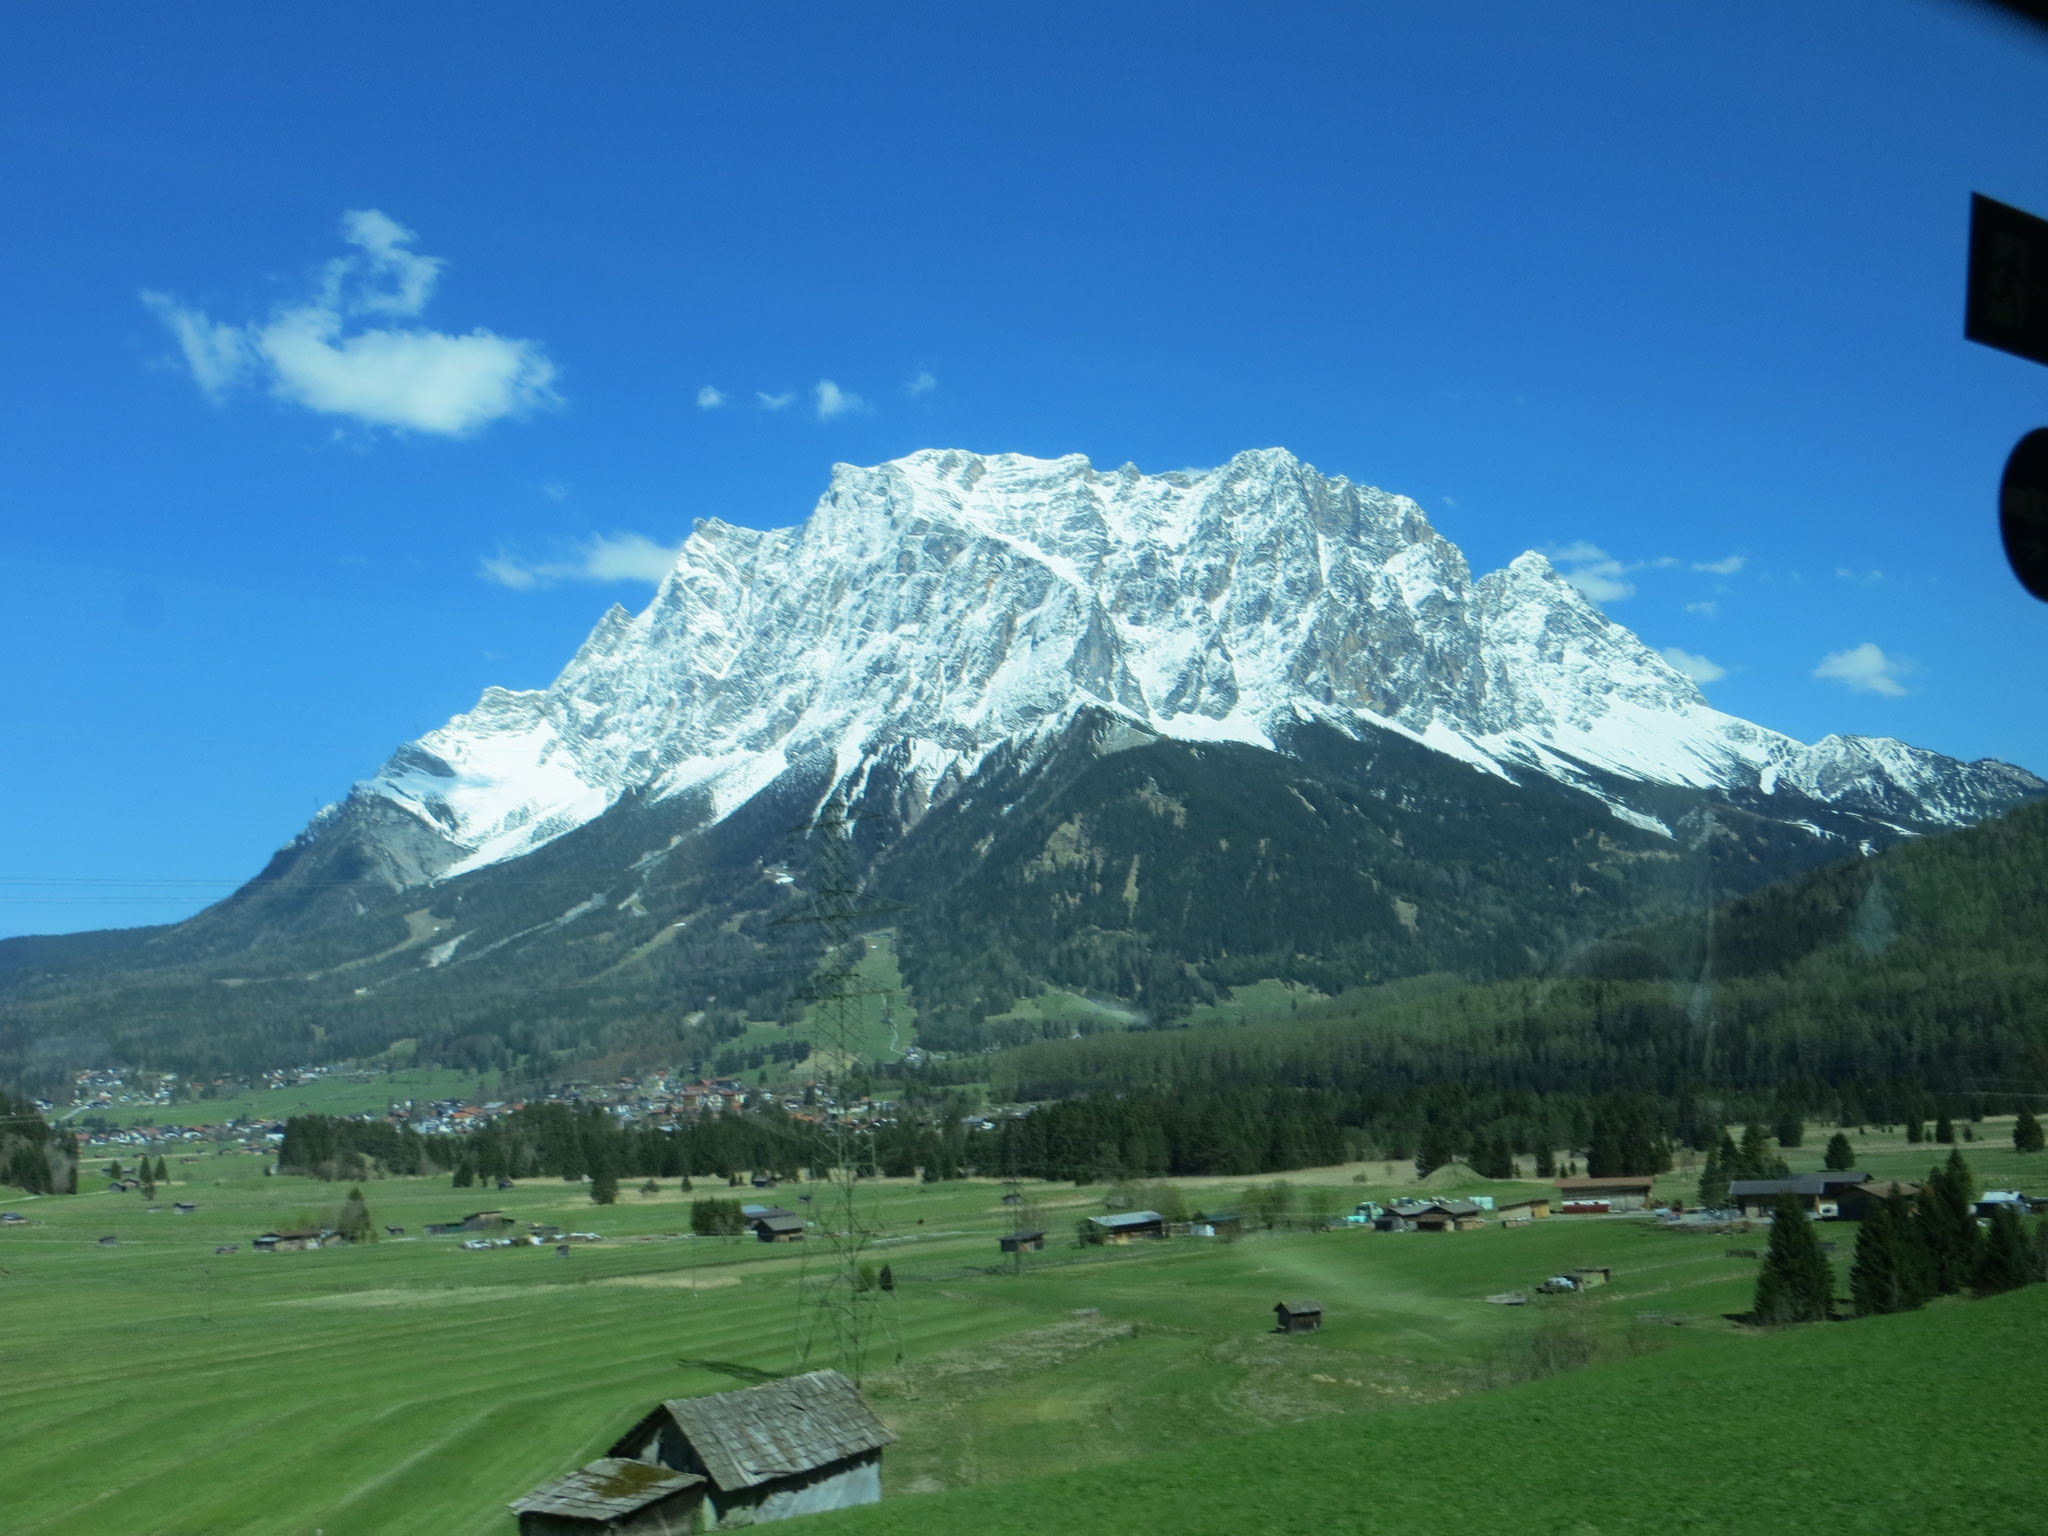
(1299, 1316)
(792, 1447)
(1023, 1242)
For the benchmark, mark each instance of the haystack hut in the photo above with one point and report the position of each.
(793, 1447)
(612, 1495)
(1299, 1316)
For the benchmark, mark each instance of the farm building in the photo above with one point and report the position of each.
(1534, 1208)
(1023, 1242)
(1819, 1194)
(1299, 1316)
(794, 1447)
(295, 1240)
(783, 1228)
(1444, 1216)
(1593, 1197)
(183, 1208)
(483, 1221)
(612, 1495)
(1124, 1227)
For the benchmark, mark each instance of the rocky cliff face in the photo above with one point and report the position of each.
(947, 604)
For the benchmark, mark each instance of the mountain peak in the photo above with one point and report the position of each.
(939, 606)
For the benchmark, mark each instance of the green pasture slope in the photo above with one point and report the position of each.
(414, 1386)
(341, 1094)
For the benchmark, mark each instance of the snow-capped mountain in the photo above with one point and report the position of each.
(946, 604)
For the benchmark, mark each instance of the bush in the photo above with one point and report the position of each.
(716, 1218)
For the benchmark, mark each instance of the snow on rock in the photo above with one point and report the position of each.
(943, 604)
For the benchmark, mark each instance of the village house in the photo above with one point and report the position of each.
(793, 1447)
(1299, 1316)
(1535, 1208)
(1818, 1194)
(612, 1495)
(780, 1228)
(1123, 1227)
(1855, 1201)
(1603, 1196)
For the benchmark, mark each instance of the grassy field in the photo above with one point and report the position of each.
(412, 1385)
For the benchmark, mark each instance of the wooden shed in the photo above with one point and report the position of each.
(1023, 1242)
(1299, 1316)
(612, 1495)
(784, 1228)
(1593, 1197)
(1123, 1228)
(793, 1447)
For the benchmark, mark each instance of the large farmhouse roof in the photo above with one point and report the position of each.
(1128, 1219)
(1799, 1184)
(778, 1430)
(605, 1490)
(1597, 1186)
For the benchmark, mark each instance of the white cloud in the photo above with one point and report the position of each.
(772, 402)
(1593, 571)
(925, 382)
(1709, 608)
(710, 398)
(556, 490)
(834, 401)
(1865, 669)
(1724, 567)
(317, 353)
(1698, 668)
(621, 557)
(1861, 578)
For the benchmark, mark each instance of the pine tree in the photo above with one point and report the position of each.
(1790, 1129)
(604, 1183)
(1546, 1161)
(1916, 1131)
(354, 1222)
(2002, 1263)
(1965, 1180)
(1753, 1160)
(163, 1173)
(886, 1279)
(1713, 1190)
(1944, 1129)
(1880, 1279)
(1947, 1228)
(465, 1174)
(148, 1181)
(1840, 1156)
(1796, 1284)
(2026, 1133)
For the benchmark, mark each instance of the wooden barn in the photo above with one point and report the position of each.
(1299, 1316)
(794, 1447)
(612, 1495)
(1022, 1242)
(1598, 1197)
(1125, 1227)
(781, 1228)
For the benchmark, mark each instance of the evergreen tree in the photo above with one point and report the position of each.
(1796, 1283)
(148, 1181)
(1546, 1161)
(1948, 1229)
(1713, 1190)
(1790, 1130)
(1916, 1130)
(1965, 1180)
(1753, 1160)
(1882, 1279)
(2002, 1263)
(604, 1183)
(465, 1174)
(2026, 1133)
(1840, 1156)
(163, 1173)
(354, 1222)
(886, 1279)
(1944, 1129)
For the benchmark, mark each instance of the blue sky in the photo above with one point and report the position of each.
(356, 359)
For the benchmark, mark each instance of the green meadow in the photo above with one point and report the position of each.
(413, 1385)
(341, 1094)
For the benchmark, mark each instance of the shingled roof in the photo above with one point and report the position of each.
(782, 1429)
(605, 1490)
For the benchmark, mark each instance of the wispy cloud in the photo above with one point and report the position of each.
(621, 557)
(1861, 578)
(1726, 566)
(833, 402)
(772, 402)
(1708, 607)
(1866, 669)
(925, 382)
(710, 398)
(1593, 571)
(1698, 668)
(321, 353)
